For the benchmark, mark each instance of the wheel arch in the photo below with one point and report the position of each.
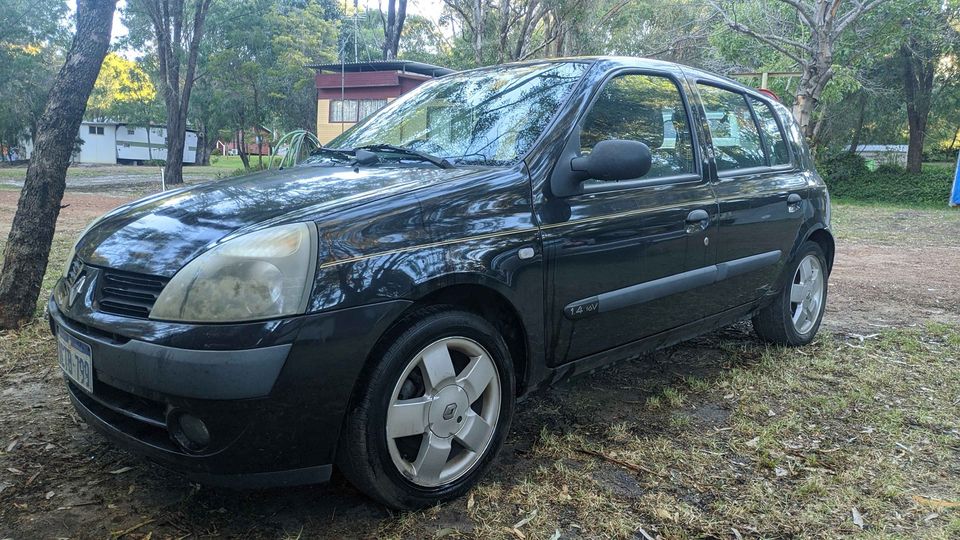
(487, 300)
(824, 238)
(473, 293)
(470, 295)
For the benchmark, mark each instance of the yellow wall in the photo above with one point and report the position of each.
(326, 131)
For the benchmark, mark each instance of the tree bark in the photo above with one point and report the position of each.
(919, 64)
(31, 234)
(242, 149)
(824, 22)
(478, 29)
(858, 130)
(174, 46)
(393, 27)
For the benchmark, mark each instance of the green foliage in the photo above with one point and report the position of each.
(849, 179)
(33, 40)
(124, 91)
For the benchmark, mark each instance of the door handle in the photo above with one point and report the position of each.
(793, 202)
(697, 220)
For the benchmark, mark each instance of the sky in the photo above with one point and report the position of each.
(427, 8)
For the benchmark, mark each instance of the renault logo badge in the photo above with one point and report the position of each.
(449, 411)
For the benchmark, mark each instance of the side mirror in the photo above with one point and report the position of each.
(613, 159)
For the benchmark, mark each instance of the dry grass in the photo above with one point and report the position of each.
(812, 434)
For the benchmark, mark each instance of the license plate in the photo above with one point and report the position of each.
(76, 360)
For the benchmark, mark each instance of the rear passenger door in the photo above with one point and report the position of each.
(625, 241)
(760, 190)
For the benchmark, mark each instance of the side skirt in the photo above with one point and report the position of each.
(666, 338)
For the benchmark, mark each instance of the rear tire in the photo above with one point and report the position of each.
(794, 317)
(431, 413)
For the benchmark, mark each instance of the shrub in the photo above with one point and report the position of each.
(890, 184)
(843, 167)
(889, 168)
(940, 153)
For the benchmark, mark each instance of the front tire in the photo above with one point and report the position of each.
(795, 315)
(432, 413)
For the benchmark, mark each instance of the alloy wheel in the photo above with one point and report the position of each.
(443, 411)
(806, 294)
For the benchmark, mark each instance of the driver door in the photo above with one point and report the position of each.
(631, 243)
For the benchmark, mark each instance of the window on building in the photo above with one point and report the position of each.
(131, 131)
(354, 110)
(95, 130)
(645, 108)
(736, 138)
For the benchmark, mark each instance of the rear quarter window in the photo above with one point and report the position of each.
(774, 140)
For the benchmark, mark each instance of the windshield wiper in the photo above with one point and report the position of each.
(343, 155)
(438, 161)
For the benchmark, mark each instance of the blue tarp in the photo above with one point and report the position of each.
(955, 196)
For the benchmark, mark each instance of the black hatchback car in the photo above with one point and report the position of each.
(382, 306)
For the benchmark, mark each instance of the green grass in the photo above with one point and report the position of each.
(231, 163)
(948, 166)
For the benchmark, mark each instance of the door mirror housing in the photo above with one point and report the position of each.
(612, 160)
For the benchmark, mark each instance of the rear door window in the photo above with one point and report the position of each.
(773, 138)
(645, 108)
(736, 137)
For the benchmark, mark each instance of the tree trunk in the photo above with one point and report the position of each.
(203, 145)
(502, 49)
(149, 144)
(858, 130)
(31, 234)
(176, 137)
(531, 17)
(478, 28)
(176, 43)
(242, 150)
(393, 27)
(918, 71)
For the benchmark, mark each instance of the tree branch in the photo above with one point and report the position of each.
(774, 41)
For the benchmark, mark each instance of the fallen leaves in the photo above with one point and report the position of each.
(119, 534)
(857, 518)
(935, 503)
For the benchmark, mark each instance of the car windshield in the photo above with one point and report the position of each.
(488, 117)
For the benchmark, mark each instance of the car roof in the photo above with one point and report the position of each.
(614, 62)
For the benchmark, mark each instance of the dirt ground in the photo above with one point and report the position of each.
(894, 269)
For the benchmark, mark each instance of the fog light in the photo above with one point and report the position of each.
(191, 432)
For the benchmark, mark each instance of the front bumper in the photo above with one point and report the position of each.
(273, 412)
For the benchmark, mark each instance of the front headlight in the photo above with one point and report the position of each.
(260, 275)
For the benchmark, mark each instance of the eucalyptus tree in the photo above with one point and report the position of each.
(178, 27)
(27, 249)
(33, 40)
(928, 46)
(805, 31)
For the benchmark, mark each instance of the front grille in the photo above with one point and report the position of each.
(129, 294)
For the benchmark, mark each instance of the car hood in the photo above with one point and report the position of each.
(159, 234)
